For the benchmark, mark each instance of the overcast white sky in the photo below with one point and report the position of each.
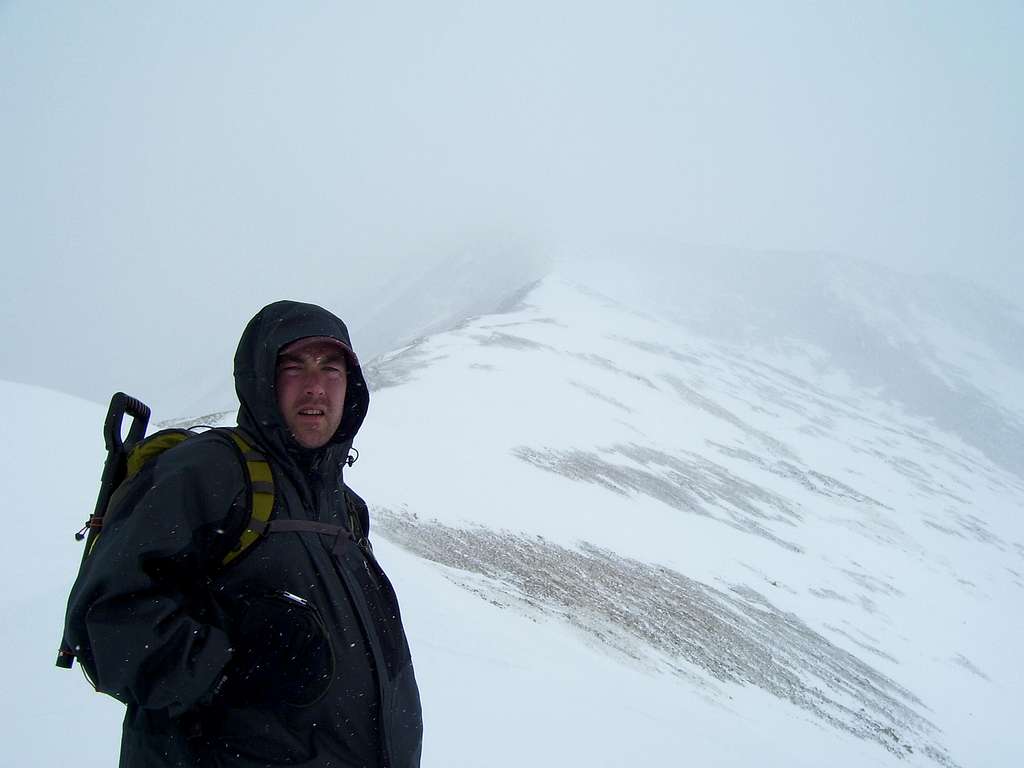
(211, 157)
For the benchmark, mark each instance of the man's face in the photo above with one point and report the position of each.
(311, 382)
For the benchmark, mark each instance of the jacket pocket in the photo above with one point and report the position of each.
(282, 652)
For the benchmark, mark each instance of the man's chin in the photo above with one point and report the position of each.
(310, 439)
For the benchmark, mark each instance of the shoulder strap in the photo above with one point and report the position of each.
(260, 481)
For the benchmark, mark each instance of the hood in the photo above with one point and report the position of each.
(273, 327)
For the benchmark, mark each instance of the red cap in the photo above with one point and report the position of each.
(306, 341)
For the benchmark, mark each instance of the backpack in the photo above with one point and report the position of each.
(127, 458)
(259, 479)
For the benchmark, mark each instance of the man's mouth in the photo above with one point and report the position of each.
(311, 412)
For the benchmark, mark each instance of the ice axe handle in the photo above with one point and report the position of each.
(113, 473)
(121, 404)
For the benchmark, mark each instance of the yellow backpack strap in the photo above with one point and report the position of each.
(261, 497)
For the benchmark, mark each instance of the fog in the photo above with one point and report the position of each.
(166, 169)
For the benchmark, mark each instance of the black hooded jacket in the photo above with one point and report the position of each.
(158, 623)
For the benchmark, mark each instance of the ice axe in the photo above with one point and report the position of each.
(114, 468)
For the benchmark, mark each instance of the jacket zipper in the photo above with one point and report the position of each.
(359, 600)
(369, 629)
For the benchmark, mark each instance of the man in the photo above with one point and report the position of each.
(294, 652)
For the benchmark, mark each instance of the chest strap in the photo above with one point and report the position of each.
(261, 505)
(339, 532)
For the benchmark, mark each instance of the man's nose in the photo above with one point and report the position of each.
(314, 383)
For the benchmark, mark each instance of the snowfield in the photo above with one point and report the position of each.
(620, 539)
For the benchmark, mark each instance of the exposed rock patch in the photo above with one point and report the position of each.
(665, 620)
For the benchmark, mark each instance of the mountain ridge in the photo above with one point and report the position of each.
(601, 519)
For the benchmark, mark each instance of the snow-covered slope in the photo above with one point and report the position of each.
(622, 538)
(731, 516)
(946, 350)
(475, 281)
(51, 463)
